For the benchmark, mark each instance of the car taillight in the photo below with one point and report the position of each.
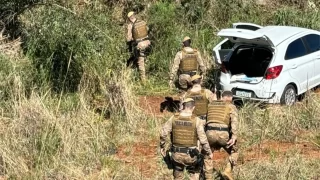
(223, 68)
(273, 72)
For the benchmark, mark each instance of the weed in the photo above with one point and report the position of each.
(74, 53)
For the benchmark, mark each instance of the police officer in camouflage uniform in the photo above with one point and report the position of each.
(187, 62)
(221, 131)
(201, 96)
(185, 129)
(137, 37)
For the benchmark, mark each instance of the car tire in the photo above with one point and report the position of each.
(289, 95)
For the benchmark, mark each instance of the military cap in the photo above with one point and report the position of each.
(186, 38)
(195, 77)
(130, 14)
(187, 100)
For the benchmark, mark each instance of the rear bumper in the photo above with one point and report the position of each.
(260, 94)
(270, 100)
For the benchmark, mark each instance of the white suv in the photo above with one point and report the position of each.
(273, 64)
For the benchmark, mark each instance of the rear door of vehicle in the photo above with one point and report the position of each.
(246, 37)
(243, 38)
(313, 43)
(300, 64)
(224, 47)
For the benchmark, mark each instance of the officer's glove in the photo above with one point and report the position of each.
(211, 156)
(230, 142)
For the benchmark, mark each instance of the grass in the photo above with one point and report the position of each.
(59, 137)
(291, 167)
(68, 104)
(73, 141)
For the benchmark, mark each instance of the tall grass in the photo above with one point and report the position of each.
(69, 102)
(290, 167)
(279, 123)
(45, 136)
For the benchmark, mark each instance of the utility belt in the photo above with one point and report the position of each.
(208, 128)
(191, 151)
(190, 73)
(140, 40)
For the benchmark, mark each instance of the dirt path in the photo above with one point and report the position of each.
(144, 156)
(155, 104)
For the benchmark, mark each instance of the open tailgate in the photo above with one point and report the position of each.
(245, 36)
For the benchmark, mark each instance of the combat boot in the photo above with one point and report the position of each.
(227, 173)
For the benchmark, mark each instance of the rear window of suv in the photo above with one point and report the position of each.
(253, 28)
(313, 41)
(295, 49)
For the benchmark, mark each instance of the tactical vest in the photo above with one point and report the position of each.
(139, 30)
(218, 112)
(184, 131)
(189, 61)
(201, 102)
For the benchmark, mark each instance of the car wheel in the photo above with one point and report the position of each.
(289, 95)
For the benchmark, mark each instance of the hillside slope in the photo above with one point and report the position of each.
(70, 108)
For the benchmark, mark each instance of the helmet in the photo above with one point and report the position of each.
(130, 14)
(186, 38)
(187, 100)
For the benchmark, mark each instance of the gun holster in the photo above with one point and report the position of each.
(194, 152)
(199, 165)
(168, 160)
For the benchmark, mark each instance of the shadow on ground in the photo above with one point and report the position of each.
(170, 105)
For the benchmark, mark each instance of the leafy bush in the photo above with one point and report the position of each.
(65, 46)
(75, 52)
(16, 79)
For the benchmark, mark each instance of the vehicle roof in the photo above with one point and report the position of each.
(278, 34)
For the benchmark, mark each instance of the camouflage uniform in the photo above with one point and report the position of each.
(141, 46)
(219, 138)
(184, 78)
(209, 96)
(182, 160)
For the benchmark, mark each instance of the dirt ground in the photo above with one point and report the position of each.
(159, 106)
(144, 156)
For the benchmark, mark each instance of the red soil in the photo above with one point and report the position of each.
(144, 156)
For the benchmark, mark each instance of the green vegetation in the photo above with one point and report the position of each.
(68, 103)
